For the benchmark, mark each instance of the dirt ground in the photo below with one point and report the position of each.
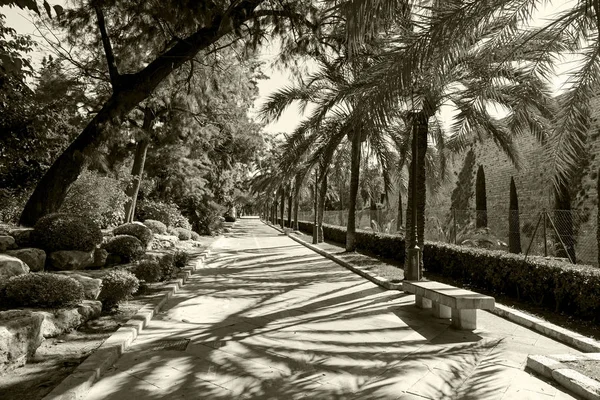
(57, 357)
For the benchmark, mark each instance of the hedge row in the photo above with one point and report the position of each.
(381, 244)
(556, 285)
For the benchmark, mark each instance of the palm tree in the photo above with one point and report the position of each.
(423, 69)
(333, 119)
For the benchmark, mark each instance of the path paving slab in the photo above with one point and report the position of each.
(265, 318)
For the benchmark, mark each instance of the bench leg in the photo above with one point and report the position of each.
(422, 302)
(441, 311)
(464, 319)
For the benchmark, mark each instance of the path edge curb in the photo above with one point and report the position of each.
(78, 383)
(573, 339)
(568, 378)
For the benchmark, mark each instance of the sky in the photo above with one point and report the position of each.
(20, 20)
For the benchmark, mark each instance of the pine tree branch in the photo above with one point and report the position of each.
(110, 57)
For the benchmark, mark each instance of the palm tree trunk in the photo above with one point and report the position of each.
(282, 207)
(297, 183)
(315, 236)
(321, 208)
(399, 221)
(289, 207)
(354, 177)
(421, 124)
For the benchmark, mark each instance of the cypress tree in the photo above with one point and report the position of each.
(514, 226)
(480, 199)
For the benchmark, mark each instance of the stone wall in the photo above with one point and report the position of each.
(534, 187)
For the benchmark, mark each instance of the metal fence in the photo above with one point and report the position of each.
(562, 234)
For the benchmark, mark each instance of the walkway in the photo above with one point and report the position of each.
(269, 319)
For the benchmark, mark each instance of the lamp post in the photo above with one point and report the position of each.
(413, 254)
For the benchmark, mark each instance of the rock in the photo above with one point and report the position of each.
(68, 260)
(11, 266)
(91, 286)
(22, 236)
(100, 256)
(164, 241)
(66, 319)
(20, 336)
(7, 243)
(34, 258)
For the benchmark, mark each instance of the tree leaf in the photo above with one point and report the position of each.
(59, 10)
(48, 9)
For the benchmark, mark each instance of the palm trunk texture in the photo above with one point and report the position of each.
(322, 197)
(354, 176)
(421, 121)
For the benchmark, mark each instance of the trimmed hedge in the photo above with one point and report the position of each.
(117, 285)
(553, 284)
(127, 247)
(381, 244)
(156, 226)
(61, 231)
(136, 229)
(41, 289)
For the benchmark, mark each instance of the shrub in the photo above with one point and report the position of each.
(149, 271)
(181, 258)
(60, 231)
(205, 215)
(136, 229)
(167, 213)
(195, 236)
(156, 226)
(229, 218)
(117, 285)
(40, 289)
(102, 198)
(169, 267)
(183, 234)
(128, 247)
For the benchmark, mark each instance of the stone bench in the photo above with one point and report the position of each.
(449, 302)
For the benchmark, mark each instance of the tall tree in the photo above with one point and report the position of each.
(480, 199)
(514, 226)
(165, 36)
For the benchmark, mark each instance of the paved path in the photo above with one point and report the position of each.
(269, 319)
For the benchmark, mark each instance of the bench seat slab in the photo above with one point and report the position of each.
(449, 295)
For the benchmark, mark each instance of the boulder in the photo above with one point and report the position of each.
(34, 258)
(69, 260)
(64, 320)
(100, 256)
(11, 266)
(91, 286)
(22, 236)
(20, 336)
(164, 241)
(7, 242)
